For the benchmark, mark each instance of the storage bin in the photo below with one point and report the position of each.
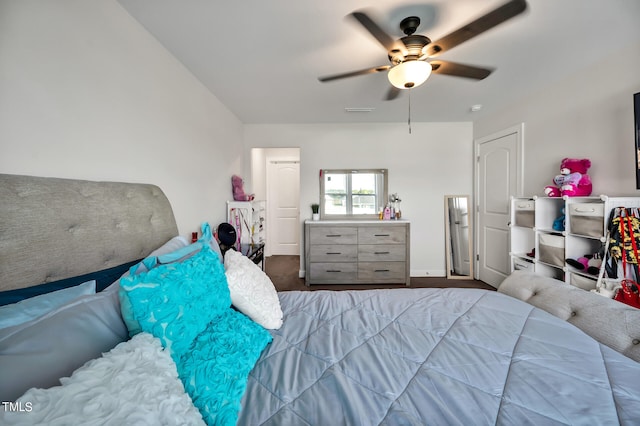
(551, 249)
(524, 213)
(522, 265)
(587, 219)
(580, 281)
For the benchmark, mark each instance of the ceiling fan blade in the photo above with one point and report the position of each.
(379, 34)
(480, 25)
(392, 93)
(354, 73)
(459, 70)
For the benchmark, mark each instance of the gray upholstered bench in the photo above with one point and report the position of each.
(611, 323)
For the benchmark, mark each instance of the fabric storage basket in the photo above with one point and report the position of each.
(580, 281)
(522, 265)
(551, 249)
(587, 219)
(524, 213)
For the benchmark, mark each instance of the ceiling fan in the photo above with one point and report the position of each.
(411, 55)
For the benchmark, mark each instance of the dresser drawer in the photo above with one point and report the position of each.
(382, 272)
(356, 252)
(333, 253)
(382, 235)
(381, 252)
(333, 235)
(333, 272)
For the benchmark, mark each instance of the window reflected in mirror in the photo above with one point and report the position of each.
(458, 237)
(352, 193)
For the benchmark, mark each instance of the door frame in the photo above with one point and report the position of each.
(518, 130)
(271, 162)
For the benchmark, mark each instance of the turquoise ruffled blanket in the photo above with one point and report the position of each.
(186, 304)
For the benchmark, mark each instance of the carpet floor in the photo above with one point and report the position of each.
(283, 272)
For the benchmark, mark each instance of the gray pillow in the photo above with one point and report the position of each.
(33, 307)
(39, 352)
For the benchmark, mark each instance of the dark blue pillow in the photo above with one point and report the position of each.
(102, 278)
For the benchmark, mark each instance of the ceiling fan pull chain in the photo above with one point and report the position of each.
(409, 120)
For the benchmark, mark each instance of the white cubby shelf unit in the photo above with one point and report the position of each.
(248, 217)
(537, 247)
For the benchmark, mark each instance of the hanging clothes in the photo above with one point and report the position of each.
(624, 239)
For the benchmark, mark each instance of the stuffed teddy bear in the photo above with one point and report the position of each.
(573, 180)
(238, 189)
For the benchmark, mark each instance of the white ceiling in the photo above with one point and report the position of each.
(262, 58)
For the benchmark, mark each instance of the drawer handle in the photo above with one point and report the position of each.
(381, 252)
(334, 270)
(333, 252)
(381, 270)
(587, 210)
(380, 235)
(334, 235)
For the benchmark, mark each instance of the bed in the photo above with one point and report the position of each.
(234, 351)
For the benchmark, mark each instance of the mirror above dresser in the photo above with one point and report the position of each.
(352, 193)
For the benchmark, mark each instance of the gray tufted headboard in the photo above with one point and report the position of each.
(610, 322)
(51, 228)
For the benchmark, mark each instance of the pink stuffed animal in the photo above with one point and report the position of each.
(573, 180)
(238, 190)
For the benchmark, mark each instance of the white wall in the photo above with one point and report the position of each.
(86, 92)
(589, 115)
(435, 160)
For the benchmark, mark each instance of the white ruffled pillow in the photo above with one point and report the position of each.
(252, 292)
(134, 383)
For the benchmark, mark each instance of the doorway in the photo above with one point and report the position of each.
(276, 179)
(499, 176)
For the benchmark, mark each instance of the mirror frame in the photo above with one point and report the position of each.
(384, 196)
(448, 245)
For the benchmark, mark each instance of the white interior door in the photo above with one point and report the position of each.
(283, 205)
(499, 176)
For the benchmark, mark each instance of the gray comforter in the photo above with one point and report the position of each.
(437, 357)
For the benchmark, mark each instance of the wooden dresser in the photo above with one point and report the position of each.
(357, 252)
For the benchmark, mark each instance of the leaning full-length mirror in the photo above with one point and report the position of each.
(458, 236)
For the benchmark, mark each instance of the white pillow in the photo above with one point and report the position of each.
(33, 307)
(252, 292)
(134, 383)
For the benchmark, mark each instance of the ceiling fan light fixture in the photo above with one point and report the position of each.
(410, 74)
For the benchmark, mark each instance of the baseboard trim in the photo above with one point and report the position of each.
(417, 273)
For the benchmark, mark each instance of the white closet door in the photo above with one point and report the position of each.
(498, 178)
